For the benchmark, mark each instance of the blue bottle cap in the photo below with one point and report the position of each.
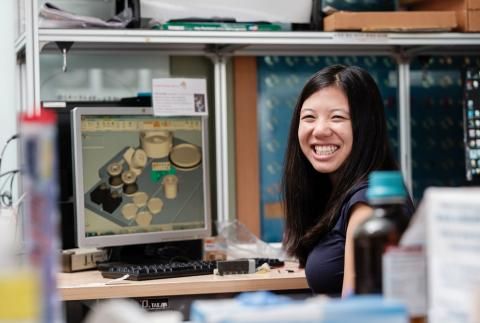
(385, 185)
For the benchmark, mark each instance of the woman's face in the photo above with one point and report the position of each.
(325, 129)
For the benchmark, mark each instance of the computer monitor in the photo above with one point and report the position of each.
(139, 178)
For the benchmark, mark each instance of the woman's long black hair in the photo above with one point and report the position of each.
(311, 203)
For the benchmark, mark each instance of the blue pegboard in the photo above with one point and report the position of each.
(438, 151)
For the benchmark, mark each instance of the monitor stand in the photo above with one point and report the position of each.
(164, 252)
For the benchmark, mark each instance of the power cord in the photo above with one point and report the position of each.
(6, 197)
(15, 136)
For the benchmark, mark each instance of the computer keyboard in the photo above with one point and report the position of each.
(169, 270)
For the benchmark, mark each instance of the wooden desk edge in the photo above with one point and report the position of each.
(91, 285)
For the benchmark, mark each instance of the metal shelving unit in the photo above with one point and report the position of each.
(220, 46)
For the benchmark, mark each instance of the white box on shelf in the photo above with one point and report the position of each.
(284, 11)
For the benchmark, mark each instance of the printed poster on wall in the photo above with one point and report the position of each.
(179, 97)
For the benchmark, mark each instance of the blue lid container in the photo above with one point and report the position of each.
(385, 185)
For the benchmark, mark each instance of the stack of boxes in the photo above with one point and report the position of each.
(467, 11)
(384, 16)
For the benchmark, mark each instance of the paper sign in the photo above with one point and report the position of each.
(453, 244)
(404, 278)
(179, 97)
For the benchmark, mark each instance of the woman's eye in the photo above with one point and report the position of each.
(307, 117)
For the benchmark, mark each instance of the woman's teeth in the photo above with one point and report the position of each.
(325, 150)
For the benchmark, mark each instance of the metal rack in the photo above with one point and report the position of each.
(220, 46)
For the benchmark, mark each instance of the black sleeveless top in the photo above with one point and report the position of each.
(325, 262)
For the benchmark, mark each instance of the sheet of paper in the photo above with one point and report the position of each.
(404, 278)
(453, 244)
(179, 96)
(415, 234)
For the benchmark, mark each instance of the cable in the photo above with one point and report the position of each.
(6, 198)
(10, 172)
(9, 194)
(15, 136)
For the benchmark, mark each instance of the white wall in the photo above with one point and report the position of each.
(8, 109)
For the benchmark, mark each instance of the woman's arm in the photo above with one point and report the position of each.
(359, 213)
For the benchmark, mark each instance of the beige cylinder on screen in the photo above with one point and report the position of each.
(170, 186)
(156, 143)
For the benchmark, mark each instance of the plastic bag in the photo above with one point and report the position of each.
(51, 16)
(240, 242)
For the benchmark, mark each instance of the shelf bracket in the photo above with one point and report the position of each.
(64, 48)
(230, 49)
(224, 207)
(402, 55)
(224, 50)
(403, 62)
(41, 45)
(418, 50)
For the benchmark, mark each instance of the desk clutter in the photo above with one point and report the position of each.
(186, 268)
(262, 307)
(269, 307)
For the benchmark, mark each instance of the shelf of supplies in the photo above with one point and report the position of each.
(255, 43)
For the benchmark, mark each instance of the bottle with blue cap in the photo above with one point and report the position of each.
(386, 194)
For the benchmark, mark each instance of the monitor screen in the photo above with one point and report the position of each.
(139, 178)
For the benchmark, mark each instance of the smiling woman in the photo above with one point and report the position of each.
(338, 136)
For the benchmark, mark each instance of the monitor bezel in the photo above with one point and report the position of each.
(134, 238)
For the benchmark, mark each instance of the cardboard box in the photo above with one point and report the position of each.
(400, 21)
(214, 248)
(468, 11)
(469, 20)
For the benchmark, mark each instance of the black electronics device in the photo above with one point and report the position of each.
(471, 118)
(134, 5)
(359, 5)
(64, 164)
(240, 266)
(316, 18)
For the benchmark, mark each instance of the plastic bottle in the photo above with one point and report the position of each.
(19, 286)
(40, 208)
(386, 194)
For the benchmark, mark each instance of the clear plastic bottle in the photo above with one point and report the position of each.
(386, 194)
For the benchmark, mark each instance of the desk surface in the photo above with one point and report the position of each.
(91, 285)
